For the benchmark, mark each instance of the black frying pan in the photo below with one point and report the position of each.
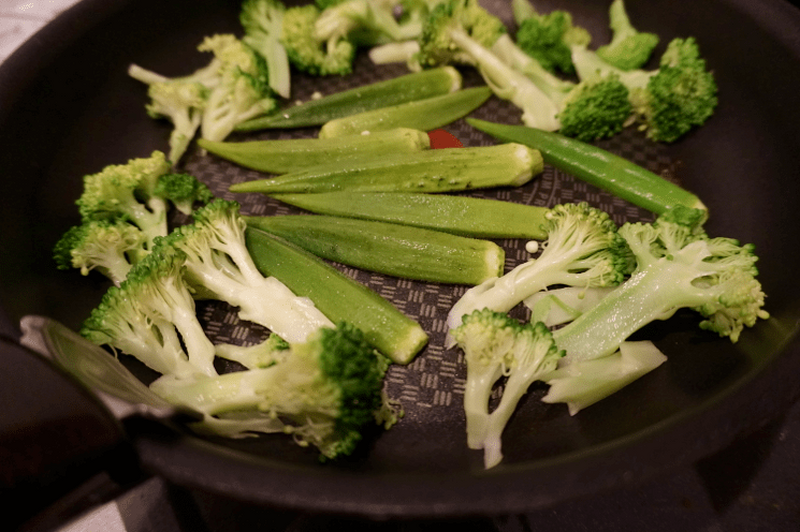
(67, 109)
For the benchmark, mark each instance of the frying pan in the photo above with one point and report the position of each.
(68, 109)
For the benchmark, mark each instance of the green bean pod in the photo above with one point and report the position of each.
(338, 296)
(392, 249)
(441, 170)
(459, 215)
(293, 155)
(402, 89)
(426, 115)
(597, 167)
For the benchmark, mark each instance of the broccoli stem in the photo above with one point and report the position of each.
(442, 170)
(426, 114)
(459, 215)
(597, 167)
(293, 155)
(651, 293)
(392, 249)
(395, 91)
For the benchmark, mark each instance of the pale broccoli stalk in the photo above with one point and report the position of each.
(152, 317)
(581, 384)
(558, 306)
(366, 22)
(678, 266)
(327, 393)
(549, 37)
(243, 90)
(487, 339)
(128, 191)
(262, 355)
(629, 48)
(582, 249)
(219, 266)
(593, 109)
(669, 101)
(534, 355)
(262, 21)
(309, 54)
(108, 246)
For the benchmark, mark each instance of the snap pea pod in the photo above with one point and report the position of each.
(441, 170)
(427, 114)
(292, 155)
(406, 88)
(459, 215)
(597, 167)
(391, 249)
(338, 296)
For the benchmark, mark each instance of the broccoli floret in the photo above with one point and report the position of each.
(108, 246)
(140, 192)
(183, 104)
(365, 22)
(327, 393)
(461, 32)
(242, 91)
(629, 48)
(183, 190)
(549, 37)
(262, 21)
(677, 266)
(128, 191)
(309, 54)
(219, 266)
(669, 101)
(583, 248)
(457, 17)
(151, 316)
(595, 109)
(496, 345)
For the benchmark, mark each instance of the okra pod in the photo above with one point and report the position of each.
(443, 170)
(597, 167)
(406, 88)
(293, 155)
(459, 215)
(427, 114)
(391, 249)
(338, 296)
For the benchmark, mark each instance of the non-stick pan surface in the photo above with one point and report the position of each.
(67, 108)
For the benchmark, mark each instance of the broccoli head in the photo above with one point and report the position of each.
(629, 48)
(309, 54)
(549, 38)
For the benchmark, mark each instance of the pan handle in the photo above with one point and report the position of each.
(54, 435)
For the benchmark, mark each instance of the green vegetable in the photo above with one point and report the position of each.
(262, 21)
(597, 167)
(307, 52)
(140, 192)
(151, 316)
(677, 266)
(395, 91)
(549, 37)
(679, 95)
(338, 296)
(425, 171)
(496, 345)
(391, 249)
(218, 266)
(326, 393)
(460, 215)
(110, 247)
(425, 115)
(293, 155)
(592, 109)
(582, 249)
(629, 48)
